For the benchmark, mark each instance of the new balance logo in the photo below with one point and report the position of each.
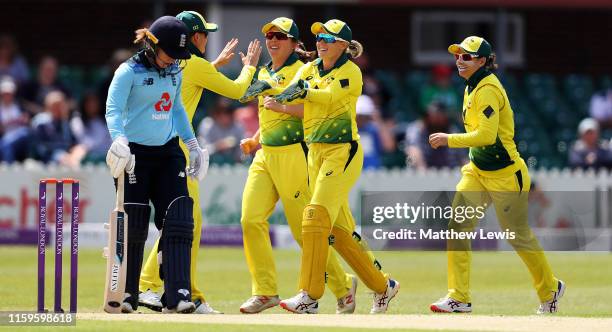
(148, 81)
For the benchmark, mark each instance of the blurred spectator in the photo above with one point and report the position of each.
(589, 151)
(11, 63)
(248, 119)
(35, 91)
(119, 56)
(601, 108)
(13, 124)
(220, 134)
(54, 140)
(90, 128)
(441, 90)
(374, 140)
(373, 87)
(420, 154)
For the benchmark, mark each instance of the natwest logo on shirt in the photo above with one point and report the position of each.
(164, 104)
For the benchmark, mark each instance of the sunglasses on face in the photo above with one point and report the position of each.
(279, 35)
(326, 37)
(465, 57)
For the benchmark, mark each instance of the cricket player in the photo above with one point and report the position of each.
(328, 89)
(496, 173)
(145, 119)
(279, 171)
(199, 74)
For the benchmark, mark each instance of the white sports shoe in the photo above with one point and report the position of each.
(550, 307)
(151, 300)
(448, 305)
(381, 301)
(126, 307)
(204, 308)
(259, 303)
(346, 304)
(301, 304)
(183, 307)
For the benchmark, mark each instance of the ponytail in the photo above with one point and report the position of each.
(490, 65)
(145, 36)
(303, 54)
(355, 49)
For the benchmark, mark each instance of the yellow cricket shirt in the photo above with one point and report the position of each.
(277, 129)
(489, 125)
(199, 74)
(329, 105)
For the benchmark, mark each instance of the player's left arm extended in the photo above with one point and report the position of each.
(208, 77)
(488, 102)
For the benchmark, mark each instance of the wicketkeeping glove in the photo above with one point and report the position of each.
(198, 160)
(295, 91)
(255, 89)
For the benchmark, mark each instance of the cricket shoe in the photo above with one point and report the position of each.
(301, 304)
(127, 306)
(183, 307)
(204, 308)
(151, 300)
(550, 307)
(381, 301)
(346, 304)
(259, 303)
(448, 305)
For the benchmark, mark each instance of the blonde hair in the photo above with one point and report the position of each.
(354, 49)
(144, 35)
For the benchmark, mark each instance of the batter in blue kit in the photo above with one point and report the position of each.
(146, 118)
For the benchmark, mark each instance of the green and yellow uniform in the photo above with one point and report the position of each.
(199, 74)
(495, 174)
(335, 160)
(279, 171)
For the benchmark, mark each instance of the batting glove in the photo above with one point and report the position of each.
(255, 89)
(294, 91)
(198, 160)
(119, 158)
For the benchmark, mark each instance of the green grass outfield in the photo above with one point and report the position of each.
(500, 283)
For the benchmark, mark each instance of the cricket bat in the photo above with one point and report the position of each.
(116, 254)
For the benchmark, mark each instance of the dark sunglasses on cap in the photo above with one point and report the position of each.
(466, 56)
(327, 38)
(279, 35)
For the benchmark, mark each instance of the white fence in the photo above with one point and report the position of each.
(221, 193)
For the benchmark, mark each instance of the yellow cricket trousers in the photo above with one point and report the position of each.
(279, 172)
(333, 171)
(509, 194)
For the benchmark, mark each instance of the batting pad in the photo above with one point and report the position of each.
(359, 260)
(138, 229)
(177, 235)
(315, 236)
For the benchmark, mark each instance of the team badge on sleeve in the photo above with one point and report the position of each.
(488, 111)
